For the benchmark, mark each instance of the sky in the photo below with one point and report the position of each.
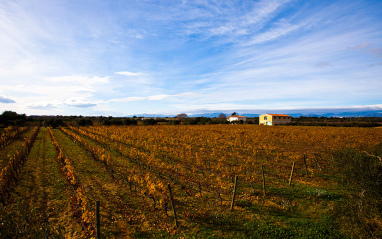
(129, 57)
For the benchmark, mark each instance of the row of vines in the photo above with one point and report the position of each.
(129, 169)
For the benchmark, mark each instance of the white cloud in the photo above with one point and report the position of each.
(272, 34)
(158, 97)
(135, 79)
(234, 53)
(42, 106)
(54, 93)
(154, 97)
(78, 79)
(263, 10)
(128, 73)
(128, 99)
(81, 103)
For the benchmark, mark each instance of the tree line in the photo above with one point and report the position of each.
(10, 118)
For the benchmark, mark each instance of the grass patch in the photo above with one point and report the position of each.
(359, 214)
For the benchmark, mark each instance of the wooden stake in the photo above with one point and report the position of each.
(318, 163)
(262, 172)
(306, 167)
(291, 174)
(98, 221)
(234, 194)
(173, 205)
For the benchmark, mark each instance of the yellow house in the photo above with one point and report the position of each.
(274, 119)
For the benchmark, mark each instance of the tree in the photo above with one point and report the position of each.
(56, 122)
(130, 121)
(181, 116)
(149, 121)
(234, 113)
(12, 118)
(222, 116)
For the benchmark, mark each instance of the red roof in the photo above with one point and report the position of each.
(279, 115)
(236, 116)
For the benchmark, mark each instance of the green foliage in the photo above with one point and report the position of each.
(84, 122)
(129, 121)
(198, 120)
(12, 118)
(174, 122)
(149, 121)
(112, 121)
(27, 222)
(300, 229)
(54, 122)
(360, 175)
(230, 228)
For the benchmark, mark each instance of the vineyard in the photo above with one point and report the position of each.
(227, 181)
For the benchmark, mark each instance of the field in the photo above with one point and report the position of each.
(52, 178)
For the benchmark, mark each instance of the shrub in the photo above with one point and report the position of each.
(130, 122)
(84, 122)
(149, 122)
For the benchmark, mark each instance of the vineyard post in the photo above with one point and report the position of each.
(306, 166)
(318, 163)
(234, 193)
(291, 174)
(173, 205)
(262, 172)
(98, 221)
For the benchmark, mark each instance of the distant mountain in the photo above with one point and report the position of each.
(151, 115)
(302, 113)
(207, 115)
(340, 114)
(345, 112)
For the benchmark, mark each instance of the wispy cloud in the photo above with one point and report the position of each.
(272, 34)
(42, 106)
(128, 73)
(82, 105)
(224, 20)
(154, 97)
(128, 99)
(78, 79)
(142, 56)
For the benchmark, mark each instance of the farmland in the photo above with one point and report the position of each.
(52, 177)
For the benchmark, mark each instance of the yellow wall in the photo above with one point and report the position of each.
(272, 120)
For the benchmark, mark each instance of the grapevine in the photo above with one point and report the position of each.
(81, 198)
(9, 174)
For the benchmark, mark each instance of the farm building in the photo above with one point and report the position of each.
(236, 118)
(274, 119)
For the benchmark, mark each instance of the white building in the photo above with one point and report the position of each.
(236, 118)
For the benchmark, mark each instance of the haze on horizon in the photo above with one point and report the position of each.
(124, 57)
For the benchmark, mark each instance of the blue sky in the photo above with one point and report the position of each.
(114, 57)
